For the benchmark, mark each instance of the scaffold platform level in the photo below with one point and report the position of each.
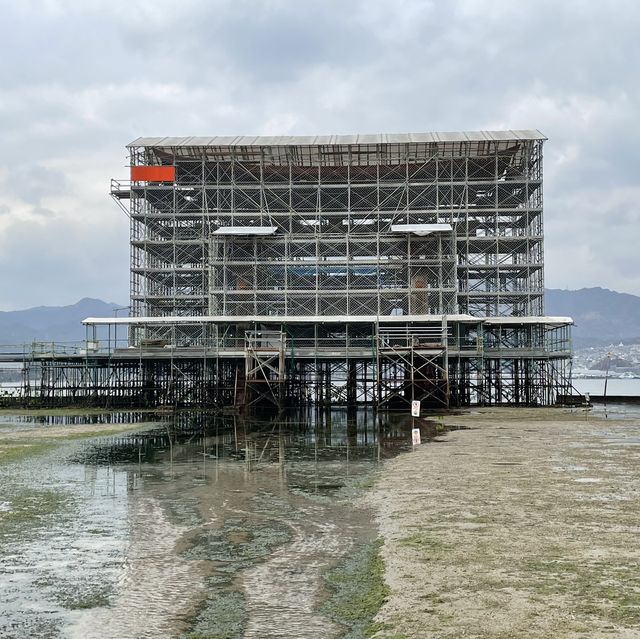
(443, 363)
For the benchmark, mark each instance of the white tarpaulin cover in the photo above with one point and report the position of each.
(245, 230)
(420, 229)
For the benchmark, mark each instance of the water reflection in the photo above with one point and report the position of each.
(204, 523)
(40, 419)
(311, 434)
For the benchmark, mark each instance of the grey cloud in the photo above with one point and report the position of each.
(40, 211)
(32, 182)
(80, 80)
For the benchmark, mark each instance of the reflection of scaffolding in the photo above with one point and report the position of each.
(336, 270)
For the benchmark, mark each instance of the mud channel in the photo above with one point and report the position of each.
(188, 525)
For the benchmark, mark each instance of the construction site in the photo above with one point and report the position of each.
(330, 270)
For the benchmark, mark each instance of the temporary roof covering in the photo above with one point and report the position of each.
(332, 140)
(333, 150)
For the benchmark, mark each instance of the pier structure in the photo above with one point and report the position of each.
(376, 269)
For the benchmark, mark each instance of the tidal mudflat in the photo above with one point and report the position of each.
(509, 523)
(525, 524)
(190, 525)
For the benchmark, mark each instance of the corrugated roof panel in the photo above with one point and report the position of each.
(531, 134)
(371, 139)
(399, 138)
(323, 140)
(224, 140)
(245, 140)
(146, 141)
(504, 135)
(451, 136)
(200, 141)
(317, 139)
(476, 136)
(346, 139)
(270, 140)
(307, 140)
(173, 141)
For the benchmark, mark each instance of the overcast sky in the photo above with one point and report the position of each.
(79, 79)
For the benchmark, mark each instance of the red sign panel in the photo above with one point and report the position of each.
(153, 173)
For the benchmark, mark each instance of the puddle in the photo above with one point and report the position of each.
(201, 526)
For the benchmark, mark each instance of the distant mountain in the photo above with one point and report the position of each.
(52, 323)
(601, 316)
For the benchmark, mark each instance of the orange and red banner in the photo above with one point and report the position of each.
(153, 173)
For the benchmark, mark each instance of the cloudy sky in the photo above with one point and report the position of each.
(79, 79)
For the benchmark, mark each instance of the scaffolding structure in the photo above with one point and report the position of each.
(372, 269)
(343, 225)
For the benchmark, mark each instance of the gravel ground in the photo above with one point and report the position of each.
(525, 524)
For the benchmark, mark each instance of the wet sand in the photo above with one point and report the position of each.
(524, 525)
